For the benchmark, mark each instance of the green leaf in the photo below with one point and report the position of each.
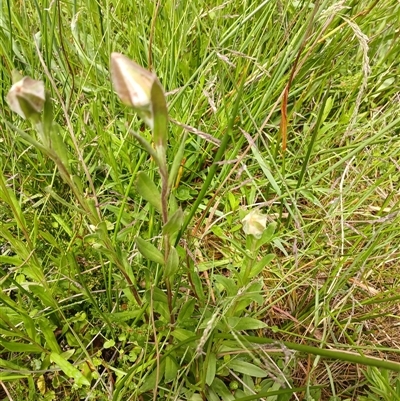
(148, 190)
(47, 117)
(176, 164)
(245, 323)
(327, 108)
(260, 266)
(211, 368)
(267, 235)
(124, 316)
(172, 265)
(310, 197)
(150, 382)
(162, 309)
(146, 145)
(248, 385)
(246, 368)
(171, 369)
(211, 396)
(10, 198)
(59, 147)
(69, 369)
(64, 202)
(48, 332)
(198, 397)
(186, 311)
(20, 347)
(160, 115)
(63, 224)
(5, 376)
(66, 354)
(10, 260)
(182, 334)
(149, 251)
(109, 344)
(253, 294)
(159, 301)
(101, 232)
(228, 283)
(44, 295)
(174, 223)
(239, 393)
(11, 365)
(220, 388)
(49, 238)
(198, 285)
(30, 327)
(157, 295)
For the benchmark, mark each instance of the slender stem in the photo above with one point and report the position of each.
(164, 208)
(169, 299)
(341, 355)
(249, 259)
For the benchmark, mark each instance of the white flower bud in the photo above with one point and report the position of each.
(133, 84)
(26, 97)
(254, 223)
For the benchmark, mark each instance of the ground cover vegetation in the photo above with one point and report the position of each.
(224, 227)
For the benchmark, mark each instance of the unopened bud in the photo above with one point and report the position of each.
(133, 84)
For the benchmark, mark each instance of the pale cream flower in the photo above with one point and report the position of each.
(254, 223)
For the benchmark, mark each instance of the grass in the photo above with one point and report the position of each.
(288, 108)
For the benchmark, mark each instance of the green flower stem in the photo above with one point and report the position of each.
(322, 352)
(160, 136)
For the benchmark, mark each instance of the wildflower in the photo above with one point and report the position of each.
(254, 223)
(133, 84)
(26, 97)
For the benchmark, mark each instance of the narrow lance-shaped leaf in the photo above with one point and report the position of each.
(47, 119)
(69, 369)
(21, 347)
(211, 368)
(172, 265)
(245, 323)
(149, 251)
(171, 369)
(220, 388)
(247, 368)
(58, 146)
(160, 116)
(156, 295)
(48, 333)
(176, 164)
(261, 265)
(267, 235)
(148, 190)
(174, 223)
